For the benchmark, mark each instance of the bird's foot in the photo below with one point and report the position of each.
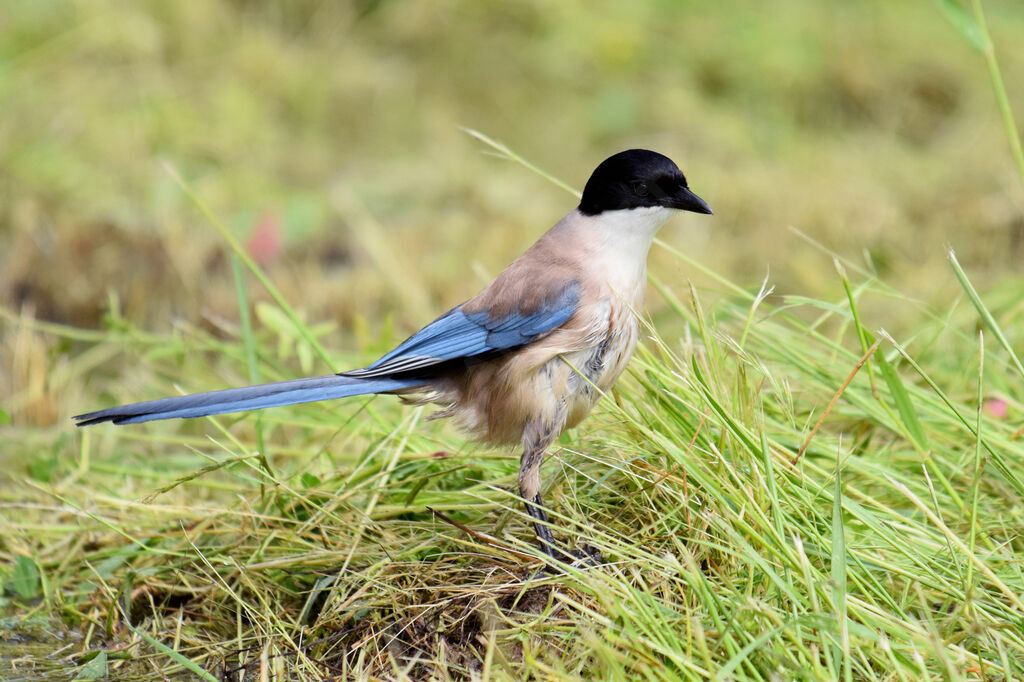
(587, 555)
(584, 557)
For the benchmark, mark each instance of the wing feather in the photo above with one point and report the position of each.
(463, 335)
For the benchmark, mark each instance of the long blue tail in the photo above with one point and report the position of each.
(306, 390)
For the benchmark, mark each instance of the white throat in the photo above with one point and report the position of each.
(620, 242)
(629, 232)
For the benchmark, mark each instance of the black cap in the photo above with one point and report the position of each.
(638, 178)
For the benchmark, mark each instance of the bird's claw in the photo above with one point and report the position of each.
(586, 555)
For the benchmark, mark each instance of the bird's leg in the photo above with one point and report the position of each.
(537, 438)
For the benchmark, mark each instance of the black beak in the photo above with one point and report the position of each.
(685, 200)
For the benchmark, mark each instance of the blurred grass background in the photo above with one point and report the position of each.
(327, 137)
(869, 126)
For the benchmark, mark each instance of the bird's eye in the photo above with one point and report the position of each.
(640, 188)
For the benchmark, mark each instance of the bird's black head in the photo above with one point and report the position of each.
(638, 178)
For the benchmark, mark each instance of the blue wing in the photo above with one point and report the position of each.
(458, 334)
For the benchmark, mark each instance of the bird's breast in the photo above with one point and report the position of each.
(595, 369)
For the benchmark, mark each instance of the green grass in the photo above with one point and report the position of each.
(782, 488)
(889, 550)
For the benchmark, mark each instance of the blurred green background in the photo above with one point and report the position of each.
(327, 135)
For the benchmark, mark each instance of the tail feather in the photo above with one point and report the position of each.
(306, 390)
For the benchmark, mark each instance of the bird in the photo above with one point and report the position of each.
(526, 358)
